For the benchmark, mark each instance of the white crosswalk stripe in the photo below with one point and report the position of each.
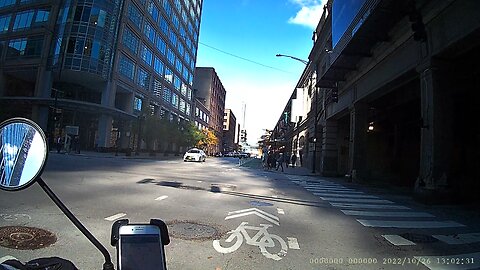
(385, 213)
(397, 240)
(367, 206)
(409, 224)
(347, 195)
(459, 239)
(356, 200)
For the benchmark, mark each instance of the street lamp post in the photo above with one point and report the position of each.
(315, 116)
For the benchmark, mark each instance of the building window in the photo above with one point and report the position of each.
(149, 32)
(161, 45)
(137, 104)
(130, 40)
(175, 100)
(146, 55)
(168, 75)
(187, 109)
(97, 17)
(25, 47)
(153, 10)
(157, 88)
(164, 25)
(176, 82)
(189, 94)
(170, 56)
(4, 3)
(158, 66)
(42, 16)
(4, 22)
(126, 67)
(143, 78)
(134, 15)
(178, 65)
(167, 94)
(23, 20)
(182, 105)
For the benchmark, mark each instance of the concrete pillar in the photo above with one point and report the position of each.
(437, 127)
(358, 141)
(104, 131)
(105, 121)
(43, 89)
(329, 154)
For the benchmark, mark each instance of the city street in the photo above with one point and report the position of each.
(224, 216)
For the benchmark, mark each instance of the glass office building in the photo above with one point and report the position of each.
(97, 64)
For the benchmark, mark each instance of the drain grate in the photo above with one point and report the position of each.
(27, 238)
(419, 238)
(190, 230)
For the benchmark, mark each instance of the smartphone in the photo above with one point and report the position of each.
(140, 247)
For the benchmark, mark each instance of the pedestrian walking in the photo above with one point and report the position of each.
(271, 160)
(294, 160)
(280, 161)
(59, 143)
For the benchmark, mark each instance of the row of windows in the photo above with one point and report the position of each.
(31, 47)
(6, 3)
(92, 15)
(126, 67)
(132, 42)
(201, 114)
(150, 32)
(24, 20)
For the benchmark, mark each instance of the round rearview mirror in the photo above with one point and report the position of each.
(23, 152)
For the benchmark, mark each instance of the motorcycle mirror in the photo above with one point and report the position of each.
(23, 152)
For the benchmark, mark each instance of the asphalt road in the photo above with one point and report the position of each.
(308, 223)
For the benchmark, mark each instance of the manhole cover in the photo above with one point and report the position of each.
(260, 203)
(419, 238)
(189, 230)
(18, 237)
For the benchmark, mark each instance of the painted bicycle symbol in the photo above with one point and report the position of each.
(261, 239)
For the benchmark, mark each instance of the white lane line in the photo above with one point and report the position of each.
(199, 181)
(293, 243)
(385, 213)
(397, 240)
(328, 189)
(409, 224)
(274, 196)
(161, 198)
(6, 258)
(319, 193)
(367, 206)
(469, 260)
(116, 216)
(347, 195)
(280, 211)
(355, 200)
(459, 239)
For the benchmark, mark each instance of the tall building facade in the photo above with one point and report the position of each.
(98, 65)
(229, 125)
(209, 87)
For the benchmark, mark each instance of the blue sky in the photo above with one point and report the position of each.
(257, 30)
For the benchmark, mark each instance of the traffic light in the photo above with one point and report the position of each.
(418, 27)
(243, 135)
(335, 94)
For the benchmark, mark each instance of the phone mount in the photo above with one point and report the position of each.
(156, 222)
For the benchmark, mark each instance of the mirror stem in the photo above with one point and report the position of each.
(108, 265)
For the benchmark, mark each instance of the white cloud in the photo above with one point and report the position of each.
(309, 13)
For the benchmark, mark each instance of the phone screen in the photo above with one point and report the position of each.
(141, 251)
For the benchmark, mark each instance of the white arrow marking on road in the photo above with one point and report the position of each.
(254, 211)
(117, 216)
(161, 198)
(293, 243)
(280, 211)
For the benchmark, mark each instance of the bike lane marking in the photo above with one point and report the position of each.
(293, 243)
(254, 211)
(281, 211)
(116, 216)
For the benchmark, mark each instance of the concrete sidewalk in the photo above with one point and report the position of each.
(141, 155)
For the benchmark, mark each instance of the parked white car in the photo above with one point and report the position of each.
(194, 154)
